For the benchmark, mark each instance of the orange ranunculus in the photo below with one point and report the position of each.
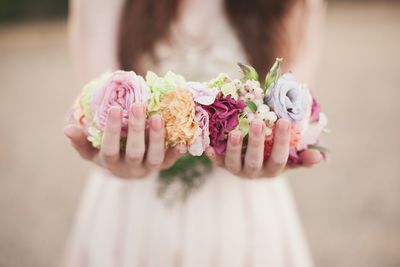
(177, 109)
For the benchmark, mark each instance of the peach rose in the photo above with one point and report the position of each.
(177, 109)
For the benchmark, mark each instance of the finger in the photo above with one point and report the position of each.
(79, 141)
(254, 156)
(110, 146)
(216, 159)
(135, 144)
(310, 157)
(280, 149)
(155, 153)
(233, 157)
(172, 155)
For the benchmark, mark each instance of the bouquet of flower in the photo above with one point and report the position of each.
(201, 114)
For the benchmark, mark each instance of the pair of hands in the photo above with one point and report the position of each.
(145, 150)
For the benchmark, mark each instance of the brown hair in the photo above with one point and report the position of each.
(257, 23)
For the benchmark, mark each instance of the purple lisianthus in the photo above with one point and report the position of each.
(287, 98)
(223, 117)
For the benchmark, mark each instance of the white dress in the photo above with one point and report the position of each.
(227, 222)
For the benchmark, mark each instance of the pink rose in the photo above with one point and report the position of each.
(123, 88)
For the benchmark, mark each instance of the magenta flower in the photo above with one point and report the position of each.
(223, 117)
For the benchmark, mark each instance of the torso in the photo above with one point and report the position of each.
(229, 221)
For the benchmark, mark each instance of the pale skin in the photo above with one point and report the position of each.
(145, 151)
(140, 158)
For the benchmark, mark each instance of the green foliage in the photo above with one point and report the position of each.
(273, 74)
(251, 105)
(189, 172)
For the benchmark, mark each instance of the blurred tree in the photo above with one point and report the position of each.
(13, 10)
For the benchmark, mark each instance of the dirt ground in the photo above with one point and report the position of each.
(350, 206)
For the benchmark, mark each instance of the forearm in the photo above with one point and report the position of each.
(93, 29)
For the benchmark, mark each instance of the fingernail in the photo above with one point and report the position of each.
(235, 138)
(283, 126)
(156, 123)
(256, 128)
(115, 112)
(137, 110)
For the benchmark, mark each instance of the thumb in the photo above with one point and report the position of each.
(79, 141)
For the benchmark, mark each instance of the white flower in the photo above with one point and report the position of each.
(259, 102)
(272, 117)
(268, 131)
(258, 93)
(262, 112)
(249, 97)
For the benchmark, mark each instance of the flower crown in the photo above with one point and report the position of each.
(201, 114)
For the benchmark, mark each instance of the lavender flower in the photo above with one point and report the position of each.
(287, 98)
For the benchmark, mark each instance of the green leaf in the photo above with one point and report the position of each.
(319, 148)
(248, 71)
(273, 74)
(251, 105)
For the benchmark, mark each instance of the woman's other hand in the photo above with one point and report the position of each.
(253, 164)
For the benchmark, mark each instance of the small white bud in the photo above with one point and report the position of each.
(258, 93)
(268, 131)
(249, 97)
(237, 83)
(271, 116)
(253, 83)
(263, 108)
(242, 91)
(258, 102)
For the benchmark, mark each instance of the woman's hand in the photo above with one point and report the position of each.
(140, 157)
(253, 164)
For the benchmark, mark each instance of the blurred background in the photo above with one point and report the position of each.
(350, 206)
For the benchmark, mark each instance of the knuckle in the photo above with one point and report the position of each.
(232, 165)
(134, 155)
(109, 156)
(156, 138)
(251, 174)
(233, 168)
(253, 166)
(277, 162)
(282, 140)
(256, 141)
(112, 130)
(272, 174)
(154, 163)
(136, 125)
(138, 173)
